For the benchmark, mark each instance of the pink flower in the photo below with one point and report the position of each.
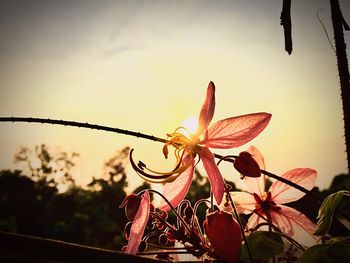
(139, 223)
(270, 204)
(224, 134)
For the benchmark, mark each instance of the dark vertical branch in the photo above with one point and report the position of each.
(340, 46)
(286, 22)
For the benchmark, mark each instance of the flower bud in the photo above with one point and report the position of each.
(131, 203)
(224, 235)
(246, 165)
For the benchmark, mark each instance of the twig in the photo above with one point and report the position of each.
(325, 29)
(59, 250)
(148, 137)
(130, 133)
(239, 222)
(82, 125)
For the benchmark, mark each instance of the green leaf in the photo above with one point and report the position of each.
(263, 245)
(326, 211)
(335, 250)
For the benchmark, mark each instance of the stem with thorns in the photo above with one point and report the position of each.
(148, 137)
(339, 23)
(134, 134)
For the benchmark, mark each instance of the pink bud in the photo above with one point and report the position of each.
(131, 203)
(246, 165)
(224, 235)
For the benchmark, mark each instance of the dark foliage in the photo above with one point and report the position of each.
(31, 204)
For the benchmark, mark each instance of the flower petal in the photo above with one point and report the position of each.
(302, 228)
(235, 131)
(138, 225)
(256, 185)
(245, 202)
(253, 221)
(176, 191)
(283, 193)
(215, 178)
(207, 111)
(282, 222)
(258, 157)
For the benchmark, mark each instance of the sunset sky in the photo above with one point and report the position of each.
(145, 66)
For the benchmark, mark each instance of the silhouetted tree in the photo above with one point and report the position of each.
(31, 204)
(48, 168)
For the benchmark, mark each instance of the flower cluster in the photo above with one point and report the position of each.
(268, 206)
(223, 231)
(223, 134)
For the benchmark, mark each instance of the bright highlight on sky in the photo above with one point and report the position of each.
(145, 66)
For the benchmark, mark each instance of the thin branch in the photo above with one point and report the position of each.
(325, 29)
(83, 125)
(163, 252)
(59, 250)
(153, 138)
(143, 136)
(135, 134)
(240, 223)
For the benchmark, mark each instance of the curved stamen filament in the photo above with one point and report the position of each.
(157, 177)
(182, 145)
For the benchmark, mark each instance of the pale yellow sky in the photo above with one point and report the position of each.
(145, 66)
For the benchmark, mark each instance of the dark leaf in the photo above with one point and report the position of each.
(326, 211)
(335, 250)
(263, 245)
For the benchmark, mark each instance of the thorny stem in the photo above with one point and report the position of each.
(134, 134)
(148, 137)
(339, 23)
(82, 125)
